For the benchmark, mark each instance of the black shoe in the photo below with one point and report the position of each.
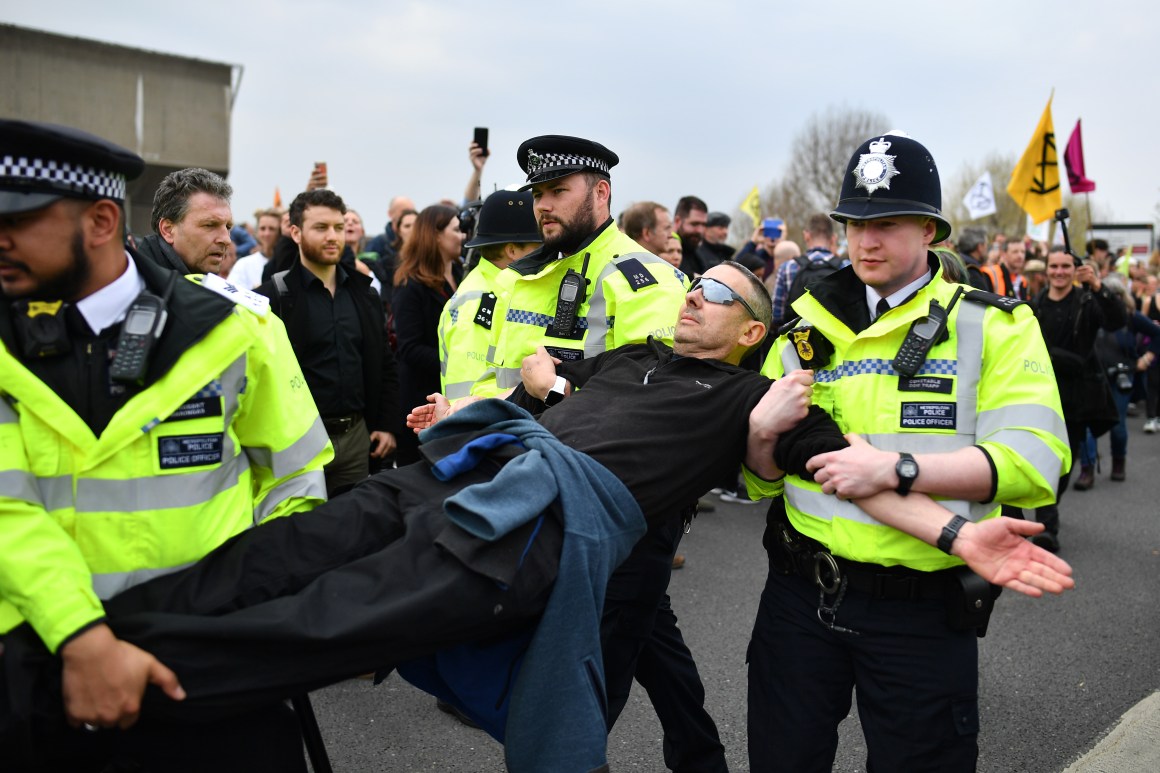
(447, 708)
(1047, 541)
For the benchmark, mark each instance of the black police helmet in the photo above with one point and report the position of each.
(506, 217)
(891, 174)
(43, 162)
(553, 156)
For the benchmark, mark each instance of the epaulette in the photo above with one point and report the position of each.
(991, 299)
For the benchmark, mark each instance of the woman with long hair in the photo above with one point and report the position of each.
(424, 280)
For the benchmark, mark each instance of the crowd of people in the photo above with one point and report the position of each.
(261, 371)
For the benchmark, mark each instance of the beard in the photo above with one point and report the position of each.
(67, 283)
(573, 233)
(315, 254)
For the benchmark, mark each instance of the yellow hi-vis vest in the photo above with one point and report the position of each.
(989, 384)
(465, 331)
(631, 294)
(168, 480)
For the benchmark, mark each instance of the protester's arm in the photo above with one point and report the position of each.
(478, 158)
(784, 404)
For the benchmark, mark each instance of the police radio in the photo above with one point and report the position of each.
(924, 333)
(144, 323)
(568, 300)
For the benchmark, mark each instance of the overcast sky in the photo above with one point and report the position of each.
(695, 97)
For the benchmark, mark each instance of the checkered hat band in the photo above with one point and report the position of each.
(553, 161)
(81, 179)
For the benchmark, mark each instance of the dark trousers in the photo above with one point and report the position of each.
(640, 639)
(916, 681)
(351, 462)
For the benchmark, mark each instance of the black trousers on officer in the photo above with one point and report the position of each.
(640, 637)
(916, 678)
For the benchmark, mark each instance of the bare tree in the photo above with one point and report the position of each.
(818, 157)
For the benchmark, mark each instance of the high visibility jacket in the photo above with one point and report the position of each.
(630, 294)
(227, 437)
(989, 384)
(465, 331)
(1003, 283)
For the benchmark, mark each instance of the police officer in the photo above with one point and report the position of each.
(953, 390)
(144, 420)
(588, 289)
(506, 232)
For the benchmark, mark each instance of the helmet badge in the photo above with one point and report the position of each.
(535, 162)
(875, 168)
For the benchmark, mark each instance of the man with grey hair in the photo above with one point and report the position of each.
(191, 222)
(972, 244)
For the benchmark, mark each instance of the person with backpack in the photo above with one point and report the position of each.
(795, 276)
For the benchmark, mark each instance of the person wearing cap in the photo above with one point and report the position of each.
(587, 290)
(974, 421)
(145, 420)
(506, 231)
(713, 249)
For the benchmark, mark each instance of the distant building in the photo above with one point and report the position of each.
(172, 110)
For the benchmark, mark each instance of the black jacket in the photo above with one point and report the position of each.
(161, 253)
(380, 375)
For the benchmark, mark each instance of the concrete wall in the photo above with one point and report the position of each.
(173, 111)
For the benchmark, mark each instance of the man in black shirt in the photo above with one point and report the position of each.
(335, 324)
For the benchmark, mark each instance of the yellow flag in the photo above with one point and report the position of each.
(752, 206)
(1035, 182)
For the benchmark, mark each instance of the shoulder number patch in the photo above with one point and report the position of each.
(635, 273)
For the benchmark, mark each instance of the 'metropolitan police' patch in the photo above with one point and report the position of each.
(928, 416)
(189, 451)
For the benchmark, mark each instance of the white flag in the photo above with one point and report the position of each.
(1039, 233)
(980, 199)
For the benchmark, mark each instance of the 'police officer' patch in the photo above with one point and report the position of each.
(565, 355)
(635, 273)
(928, 416)
(190, 451)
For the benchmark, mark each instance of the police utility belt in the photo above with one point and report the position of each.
(969, 598)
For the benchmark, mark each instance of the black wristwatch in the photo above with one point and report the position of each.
(949, 533)
(557, 392)
(907, 470)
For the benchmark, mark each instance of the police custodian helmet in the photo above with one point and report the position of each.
(891, 174)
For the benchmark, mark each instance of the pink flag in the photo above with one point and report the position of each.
(1073, 160)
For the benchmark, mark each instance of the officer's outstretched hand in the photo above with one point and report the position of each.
(104, 679)
(855, 472)
(423, 416)
(998, 551)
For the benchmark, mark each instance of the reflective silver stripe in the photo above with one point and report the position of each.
(456, 301)
(507, 378)
(110, 584)
(7, 413)
(18, 484)
(294, 457)
(918, 442)
(159, 492)
(458, 390)
(1029, 446)
(789, 359)
(491, 353)
(308, 484)
(56, 493)
(827, 507)
(1031, 415)
(596, 341)
(969, 331)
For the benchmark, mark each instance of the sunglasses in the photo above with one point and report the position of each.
(719, 292)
